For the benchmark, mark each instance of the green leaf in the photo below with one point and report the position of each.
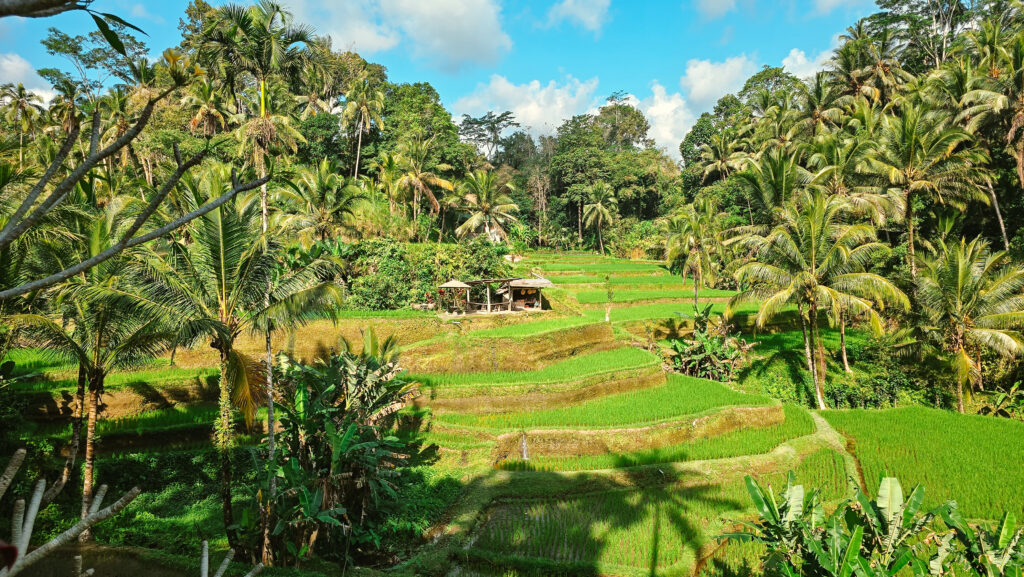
(760, 503)
(890, 499)
(110, 35)
(852, 552)
(122, 22)
(913, 505)
(1006, 528)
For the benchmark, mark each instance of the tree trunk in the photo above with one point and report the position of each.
(842, 342)
(819, 352)
(21, 149)
(359, 148)
(95, 386)
(223, 439)
(78, 412)
(267, 556)
(696, 289)
(999, 215)
(600, 241)
(910, 233)
(960, 396)
(810, 361)
(579, 221)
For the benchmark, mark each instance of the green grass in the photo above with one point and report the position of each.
(181, 417)
(395, 314)
(742, 442)
(570, 369)
(659, 311)
(652, 281)
(532, 327)
(631, 295)
(972, 459)
(121, 380)
(604, 268)
(679, 397)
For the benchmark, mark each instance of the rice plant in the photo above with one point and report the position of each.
(970, 458)
(570, 369)
(680, 396)
(656, 292)
(532, 328)
(750, 441)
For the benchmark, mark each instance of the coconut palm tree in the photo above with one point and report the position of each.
(388, 167)
(22, 108)
(820, 105)
(919, 152)
(814, 261)
(209, 112)
(771, 181)
(970, 301)
(363, 107)
(693, 243)
(418, 177)
(321, 199)
(600, 209)
(489, 205)
(102, 327)
(215, 288)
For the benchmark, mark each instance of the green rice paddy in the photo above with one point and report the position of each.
(970, 458)
(680, 396)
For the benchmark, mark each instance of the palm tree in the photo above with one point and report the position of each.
(209, 111)
(820, 106)
(363, 107)
(919, 153)
(102, 334)
(489, 206)
(216, 288)
(970, 301)
(389, 175)
(814, 261)
(417, 175)
(771, 180)
(321, 200)
(693, 243)
(600, 211)
(21, 108)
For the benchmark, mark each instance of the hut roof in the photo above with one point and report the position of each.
(454, 284)
(531, 283)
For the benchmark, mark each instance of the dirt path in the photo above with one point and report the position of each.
(838, 442)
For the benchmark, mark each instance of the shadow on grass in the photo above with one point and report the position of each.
(648, 520)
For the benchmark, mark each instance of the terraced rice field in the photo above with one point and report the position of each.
(970, 458)
(618, 482)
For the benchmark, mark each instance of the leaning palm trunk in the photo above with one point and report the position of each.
(999, 215)
(359, 147)
(269, 361)
(842, 342)
(811, 364)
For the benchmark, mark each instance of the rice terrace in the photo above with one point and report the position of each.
(272, 304)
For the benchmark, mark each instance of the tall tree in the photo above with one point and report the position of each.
(319, 201)
(363, 107)
(600, 209)
(22, 109)
(814, 261)
(489, 205)
(971, 301)
(694, 244)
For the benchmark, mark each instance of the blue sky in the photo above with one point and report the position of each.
(543, 59)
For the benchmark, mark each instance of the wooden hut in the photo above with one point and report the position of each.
(502, 294)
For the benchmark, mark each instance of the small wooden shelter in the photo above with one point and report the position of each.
(510, 294)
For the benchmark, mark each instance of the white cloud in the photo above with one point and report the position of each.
(451, 32)
(824, 7)
(539, 108)
(353, 25)
(670, 117)
(712, 9)
(802, 66)
(705, 82)
(590, 14)
(446, 33)
(15, 69)
(140, 11)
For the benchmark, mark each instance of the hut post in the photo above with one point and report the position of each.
(488, 285)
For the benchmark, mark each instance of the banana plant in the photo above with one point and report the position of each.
(782, 522)
(890, 523)
(995, 552)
